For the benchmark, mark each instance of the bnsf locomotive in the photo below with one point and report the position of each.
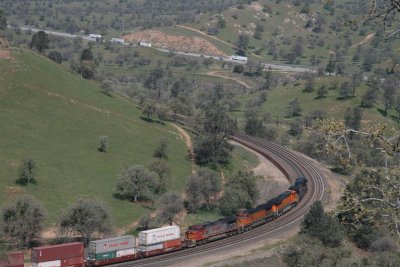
(161, 240)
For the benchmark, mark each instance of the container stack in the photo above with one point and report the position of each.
(64, 255)
(15, 259)
(112, 250)
(159, 240)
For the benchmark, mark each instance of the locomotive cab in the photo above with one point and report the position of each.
(243, 219)
(193, 234)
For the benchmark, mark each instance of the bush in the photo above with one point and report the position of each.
(103, 143)
(55, 56)
(27, 172)
(238, 69)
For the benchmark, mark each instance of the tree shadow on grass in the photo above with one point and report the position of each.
(106, 93)
(152, 121)
(382, 112)
(342, 98)
(395, 118)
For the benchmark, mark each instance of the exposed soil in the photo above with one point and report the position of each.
(256, 6)
(363, 41)
(174, 42)
(217, 74)
(203, 33)
(5, 52)
(189, 144)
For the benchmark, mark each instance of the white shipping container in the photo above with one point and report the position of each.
(95, 36)
(150, 247)
(117, 40)
(56, 263)
(144, 44)
(159, 235)
(126, 252)
(112, 244)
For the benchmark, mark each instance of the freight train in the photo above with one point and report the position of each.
(160, 240)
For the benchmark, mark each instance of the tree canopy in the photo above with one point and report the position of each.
(22, 220)
(87, 216)
(212, 147)
(40, 41)
(135, 182)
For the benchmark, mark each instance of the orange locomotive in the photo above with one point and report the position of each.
(267, 212)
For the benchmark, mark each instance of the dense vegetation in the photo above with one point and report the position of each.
(111, 15)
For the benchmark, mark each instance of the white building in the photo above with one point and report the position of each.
(95, 36)
(239, 58)
(144, 44)
(117, 40)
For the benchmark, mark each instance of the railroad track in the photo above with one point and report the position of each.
(292, 165)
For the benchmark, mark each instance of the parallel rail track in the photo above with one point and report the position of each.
(292, 165)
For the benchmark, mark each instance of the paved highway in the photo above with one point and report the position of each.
(284, 68)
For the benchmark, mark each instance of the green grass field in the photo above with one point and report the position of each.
(56, 118)
(278, 98)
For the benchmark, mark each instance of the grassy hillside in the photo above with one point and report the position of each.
(278, 98)
(56, 118)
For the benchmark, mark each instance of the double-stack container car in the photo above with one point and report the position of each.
(15, 259)
(64, 255)
(112, 250)
(159, 240)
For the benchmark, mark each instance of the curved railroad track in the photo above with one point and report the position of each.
(292, 165)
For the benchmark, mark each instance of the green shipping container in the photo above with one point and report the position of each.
(103, 256)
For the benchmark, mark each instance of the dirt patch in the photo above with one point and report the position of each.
(14, 191)
(189, 144)
(174, 42)
(202, 33)
(363, 41)
(5, 52)
(256, 6)
(217, 74)
(50, 233)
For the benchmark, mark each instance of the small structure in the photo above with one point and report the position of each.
(239, 58)
(117, 40)
(95, 36)
(144, 44)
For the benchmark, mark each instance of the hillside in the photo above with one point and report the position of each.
(295, 32)
(56, 118)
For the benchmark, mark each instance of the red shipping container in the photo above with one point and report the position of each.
(72, 262)
(15, 259)
(57, 252)
(172, 243)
